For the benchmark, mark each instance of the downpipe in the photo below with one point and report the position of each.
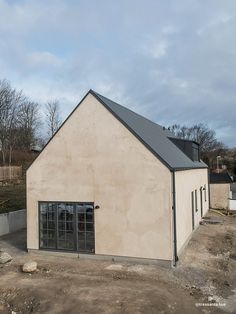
(175, 255)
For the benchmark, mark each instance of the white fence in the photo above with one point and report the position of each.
(232, 204)
(13, 221)
(10, 173)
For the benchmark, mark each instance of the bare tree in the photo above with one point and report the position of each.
(53, 119)
(200, 133)
(28, 125)
(19, 122)
(10, 100)
(13, 127)
(180, 131)
(5, 94)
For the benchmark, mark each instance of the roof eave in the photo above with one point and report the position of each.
(189, 168)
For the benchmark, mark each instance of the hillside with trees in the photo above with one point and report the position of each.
(23, 125)
(210, 147)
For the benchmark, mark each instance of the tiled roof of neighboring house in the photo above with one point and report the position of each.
(220, 178)
(152, 135)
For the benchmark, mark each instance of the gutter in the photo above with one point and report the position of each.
(175, 255)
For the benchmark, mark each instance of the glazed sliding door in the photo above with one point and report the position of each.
(67, 226)
(47, 222)
(85, 228)
(66, 230)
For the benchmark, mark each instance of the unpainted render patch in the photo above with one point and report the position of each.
(136, 268)
(131, 268)
(114, 267)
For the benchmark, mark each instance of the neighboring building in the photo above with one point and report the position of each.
(232, 201)
(220, 190)
(111, 182)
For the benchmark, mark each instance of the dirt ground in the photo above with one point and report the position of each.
(203, 282)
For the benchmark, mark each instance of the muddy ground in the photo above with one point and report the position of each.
(205, 275)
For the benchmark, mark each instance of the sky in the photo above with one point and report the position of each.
(172, 61)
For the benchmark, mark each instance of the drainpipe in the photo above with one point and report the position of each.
(175, 256)
(209, 184)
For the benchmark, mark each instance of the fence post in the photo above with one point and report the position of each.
(10, 172)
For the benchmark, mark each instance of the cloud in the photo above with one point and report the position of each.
(157, 50)
(38, 58)
(217, 21)
(173, 62)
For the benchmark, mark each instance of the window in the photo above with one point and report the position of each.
(201, 204)
(48, 225)
(196, 209)
(192, 199)
(85, 227)
(205, 193)
(66, 226)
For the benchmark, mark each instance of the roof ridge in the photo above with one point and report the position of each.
(137, 114)
(156, 138)
(147, 133)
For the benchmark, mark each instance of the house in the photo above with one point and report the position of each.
(113, 183)
(220, 190)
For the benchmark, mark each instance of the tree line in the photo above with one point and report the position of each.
(21, 122)
(24, 126)
(200, 133)
(210, 147)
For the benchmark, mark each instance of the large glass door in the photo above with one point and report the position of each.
(66, 226)
(85, 227)
(47, 222)
(66, 230)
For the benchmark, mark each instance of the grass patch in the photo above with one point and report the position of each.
(15, 195)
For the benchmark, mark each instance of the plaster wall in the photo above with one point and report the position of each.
(219, 195)
(232, 204)
(186, 182)
(95, 158)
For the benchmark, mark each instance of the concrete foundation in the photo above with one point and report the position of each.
(111, 258)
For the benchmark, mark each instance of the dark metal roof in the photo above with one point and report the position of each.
(152, 135)
(220, 178)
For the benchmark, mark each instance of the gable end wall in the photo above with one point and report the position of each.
(95, 158)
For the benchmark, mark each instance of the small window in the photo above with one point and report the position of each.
(196, 208)
(205, 193)
(192, 199)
